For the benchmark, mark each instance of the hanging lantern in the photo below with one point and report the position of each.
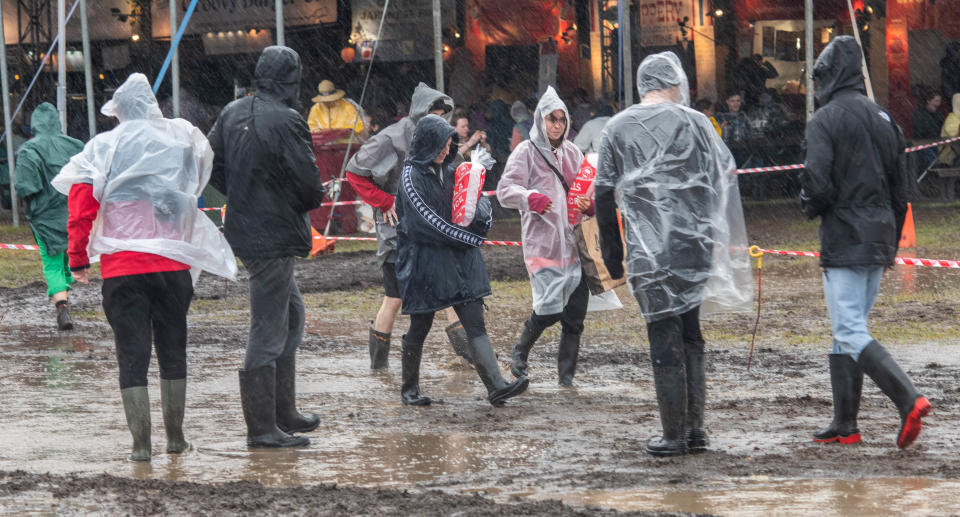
(347, 54)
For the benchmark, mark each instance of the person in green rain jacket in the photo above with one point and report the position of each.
(38, 162)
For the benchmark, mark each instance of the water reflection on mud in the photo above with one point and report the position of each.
(763, 496)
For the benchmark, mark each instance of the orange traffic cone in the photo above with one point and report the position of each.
(321, 245)
(908, 237)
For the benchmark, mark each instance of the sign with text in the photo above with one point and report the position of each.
(660, 21)
(407, 33)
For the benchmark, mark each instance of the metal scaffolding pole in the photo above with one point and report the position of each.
(808, 10)
(626, 61)
(62, 63)
(279, 9)
(5, 85)
(87, 71)
(437, 45)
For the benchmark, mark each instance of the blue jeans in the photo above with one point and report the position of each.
(850, 293)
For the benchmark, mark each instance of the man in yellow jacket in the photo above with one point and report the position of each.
(332, 111)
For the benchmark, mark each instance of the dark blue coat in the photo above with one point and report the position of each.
(439, 263)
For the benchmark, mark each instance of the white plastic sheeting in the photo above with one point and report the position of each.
(147, 174)
(676, 188)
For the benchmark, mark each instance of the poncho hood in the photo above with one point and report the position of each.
(838, 68)
(278, 74)
(424, 97)
(44, 121)
(133, 100)
(549, 102)
(661, 72)
(429, 138)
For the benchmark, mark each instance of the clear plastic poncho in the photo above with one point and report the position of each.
(549, 247)
(147, 174)
(676, 188)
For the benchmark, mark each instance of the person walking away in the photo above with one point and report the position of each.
(439, 264)
(664, 166)
(523, 123)
(950, 154)
(588, 139)
(133, 203)
(38, 162)
(332, 111)
(860, 197)
(535, 181)
(374, 173)
(265, 166)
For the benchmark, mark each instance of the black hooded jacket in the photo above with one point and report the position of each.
(854, 173)
(264, 164)
(439, 263)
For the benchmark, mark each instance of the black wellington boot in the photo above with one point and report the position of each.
(379, 349)
(64, 321)
(289, 420)
(846, 380)
(485, 361)
(697, 440)
(258, 394)
(173, 398)
(459, 340)
(410, 365)
(671, 385)
(876, 362)
(529, 336)
(567, 358)
(136, 407)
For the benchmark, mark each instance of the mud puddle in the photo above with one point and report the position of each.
(874, 497)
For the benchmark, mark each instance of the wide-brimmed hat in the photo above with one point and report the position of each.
(328, 92)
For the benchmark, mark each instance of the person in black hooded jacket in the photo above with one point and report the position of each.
(854, 180)
(264, 164)
(439, 263)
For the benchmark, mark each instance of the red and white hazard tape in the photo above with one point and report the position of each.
(934, 144)
(19, 247)
(374, 239)
(772, 168)
(907, 261)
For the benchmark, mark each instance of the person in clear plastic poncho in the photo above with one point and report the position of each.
(531, 183)
(664, 166)
(132, 194)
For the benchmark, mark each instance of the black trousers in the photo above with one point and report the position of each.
(146, 308)
(470, 314)
(571, 319)
(277, 313)
(670, 337)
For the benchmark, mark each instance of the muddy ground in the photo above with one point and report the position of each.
(63, 437)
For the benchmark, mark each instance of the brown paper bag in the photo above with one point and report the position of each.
(587, 234)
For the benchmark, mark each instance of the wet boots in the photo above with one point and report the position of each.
(459, 340)
(379, 349)
(410, 364)
(289, 420)
(258, 394)
(671, 386)
(521, 351)
(846, 379)
(567, 358)
(876, 362)
(696, 435)
(64, 321)
(484, 360)
(173, 397)
(136, 406)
